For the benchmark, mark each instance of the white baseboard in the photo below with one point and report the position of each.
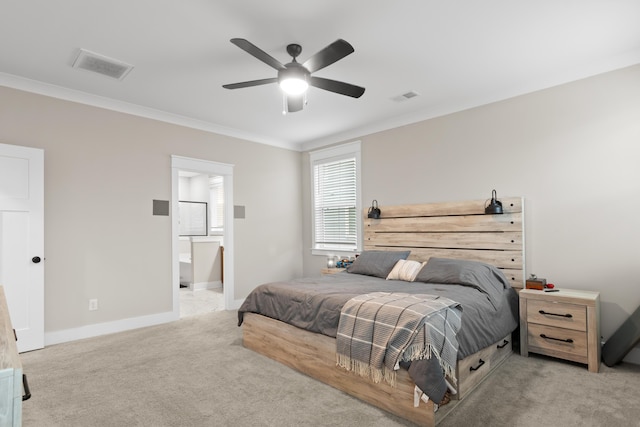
(89, 331)
(98, 329)
(205, 285)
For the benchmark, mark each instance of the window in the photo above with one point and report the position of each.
(216, 211)
(335, 179)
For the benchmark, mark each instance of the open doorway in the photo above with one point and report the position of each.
(202, 236)
(201, 242)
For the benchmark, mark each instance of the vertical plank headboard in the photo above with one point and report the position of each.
(459, 230)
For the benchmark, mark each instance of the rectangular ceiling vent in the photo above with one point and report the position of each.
(405, 96)
(101, 64)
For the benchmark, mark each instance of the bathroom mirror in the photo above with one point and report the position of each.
(193, 218)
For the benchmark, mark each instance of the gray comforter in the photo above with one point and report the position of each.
(314, 304)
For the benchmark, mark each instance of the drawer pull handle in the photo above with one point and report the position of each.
(475, 368)
(568, 316)
(504, 344)
(27, 392)
(568, 340)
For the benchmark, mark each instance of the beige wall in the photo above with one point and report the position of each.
(102, 171)
(573, 153)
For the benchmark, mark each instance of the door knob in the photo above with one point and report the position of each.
(35, 259)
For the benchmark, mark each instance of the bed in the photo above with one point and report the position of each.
(296, 322)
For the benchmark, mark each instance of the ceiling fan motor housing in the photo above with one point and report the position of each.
(293, 70)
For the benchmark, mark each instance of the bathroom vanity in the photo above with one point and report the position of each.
(201, 262)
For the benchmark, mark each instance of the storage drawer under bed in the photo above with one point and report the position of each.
(474, 368)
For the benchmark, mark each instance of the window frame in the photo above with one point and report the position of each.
(328, 155)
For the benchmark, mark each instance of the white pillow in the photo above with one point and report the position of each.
(406, 270)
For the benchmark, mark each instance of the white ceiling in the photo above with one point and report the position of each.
(456, 54)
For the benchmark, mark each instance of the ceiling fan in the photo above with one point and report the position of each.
(294, 78)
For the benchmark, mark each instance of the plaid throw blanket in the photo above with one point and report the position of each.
(380, 329)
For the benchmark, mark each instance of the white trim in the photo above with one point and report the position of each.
(557, 78)
(201, 286)
(347, 149)
(335, 151)
(98, 329)
(625, 59)
(59, 92)
(199, 165)
(179, 163)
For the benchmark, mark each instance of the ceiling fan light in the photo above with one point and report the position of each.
(293, 79)
(294, 85)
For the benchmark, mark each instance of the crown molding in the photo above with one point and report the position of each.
(59, 92)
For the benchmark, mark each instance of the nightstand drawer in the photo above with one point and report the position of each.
(559, 314)
(558, 342)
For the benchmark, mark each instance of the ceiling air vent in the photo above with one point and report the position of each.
(406, 96)
(101, 64)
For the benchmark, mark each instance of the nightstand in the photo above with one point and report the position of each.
(331, 270)
(563, 324)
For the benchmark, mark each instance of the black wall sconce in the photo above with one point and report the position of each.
(374, 211)
(495, 207)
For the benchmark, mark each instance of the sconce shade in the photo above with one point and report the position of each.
(495, 207)
(374, 211)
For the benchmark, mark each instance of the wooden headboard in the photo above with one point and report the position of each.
(458, 230)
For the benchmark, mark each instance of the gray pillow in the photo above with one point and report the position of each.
(487, 278)
(377, 263)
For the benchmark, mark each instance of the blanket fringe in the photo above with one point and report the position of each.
(389, 376)
(365, 370)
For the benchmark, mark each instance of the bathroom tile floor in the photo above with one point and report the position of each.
(201, 301)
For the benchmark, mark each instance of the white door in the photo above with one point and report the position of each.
(22, 241)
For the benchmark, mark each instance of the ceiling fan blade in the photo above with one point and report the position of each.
(254, 50)
(295, 103)
(337, 87)
(250, 83)
(327, 56)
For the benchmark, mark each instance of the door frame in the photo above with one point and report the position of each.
(179, 163)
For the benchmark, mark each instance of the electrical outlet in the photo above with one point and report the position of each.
(93, 304)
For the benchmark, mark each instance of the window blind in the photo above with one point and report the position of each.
(335, 207)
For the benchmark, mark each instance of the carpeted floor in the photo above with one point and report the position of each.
(195, 372)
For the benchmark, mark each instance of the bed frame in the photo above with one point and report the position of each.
(450, 230)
